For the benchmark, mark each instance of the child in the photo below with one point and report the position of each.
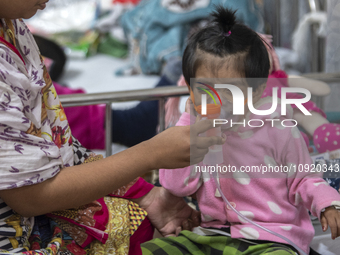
(226, 49)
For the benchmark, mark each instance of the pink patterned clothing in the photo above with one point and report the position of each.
(277, 201)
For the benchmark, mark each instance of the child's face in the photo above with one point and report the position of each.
(203, 74)
(16, 9)
(223, 75)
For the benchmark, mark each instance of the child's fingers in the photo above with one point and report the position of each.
(333, 226)
(170, 235)
(324, 223)
(338, 226)
(186, 225)
(196, 218)
(178, 230)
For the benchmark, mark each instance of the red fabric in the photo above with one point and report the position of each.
(143, 234)
(139, 189)
(145, 231)
(95, 232)
(135, 2)
(86, 122)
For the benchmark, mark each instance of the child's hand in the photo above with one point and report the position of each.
(168, 213)
(331, 217)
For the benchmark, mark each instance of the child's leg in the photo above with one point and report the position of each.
(190, 243)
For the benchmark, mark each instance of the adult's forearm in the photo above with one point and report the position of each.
(79, 185)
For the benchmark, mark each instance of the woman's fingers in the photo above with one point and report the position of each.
(189, 107)
(201, 126)
(205, 142)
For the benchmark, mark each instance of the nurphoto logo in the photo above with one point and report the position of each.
(239, 103)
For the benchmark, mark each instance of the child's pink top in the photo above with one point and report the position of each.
(279, 204)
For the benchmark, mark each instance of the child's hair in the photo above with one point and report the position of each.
(230, 42)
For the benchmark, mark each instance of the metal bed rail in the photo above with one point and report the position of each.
(159, 94)
(108, 98)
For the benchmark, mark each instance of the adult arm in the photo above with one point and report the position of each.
(182, 181)
(79, 185)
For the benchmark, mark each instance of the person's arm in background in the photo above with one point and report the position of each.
(315, 87)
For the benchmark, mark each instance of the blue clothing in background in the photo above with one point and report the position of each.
(160, 27)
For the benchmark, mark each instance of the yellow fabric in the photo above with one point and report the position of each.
(14, 242)
(93, 158)
(118, 229)
(137, 215)
(10, 32)
(14, 221)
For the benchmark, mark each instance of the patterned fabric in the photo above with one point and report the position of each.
(190, 243)
(124, 189)
(35, 144)
(51, 249)
(80, 153)
(14, 230)
(84, 224)
(34, 129)
(137, 215)
(117, 228)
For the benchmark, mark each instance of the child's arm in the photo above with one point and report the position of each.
(305, 184)
(183, 181)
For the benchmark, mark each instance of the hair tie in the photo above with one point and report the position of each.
(227, 34)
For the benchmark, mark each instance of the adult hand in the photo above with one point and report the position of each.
(178, 147)
(189, 107)
(331, 217)
(168, 213)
